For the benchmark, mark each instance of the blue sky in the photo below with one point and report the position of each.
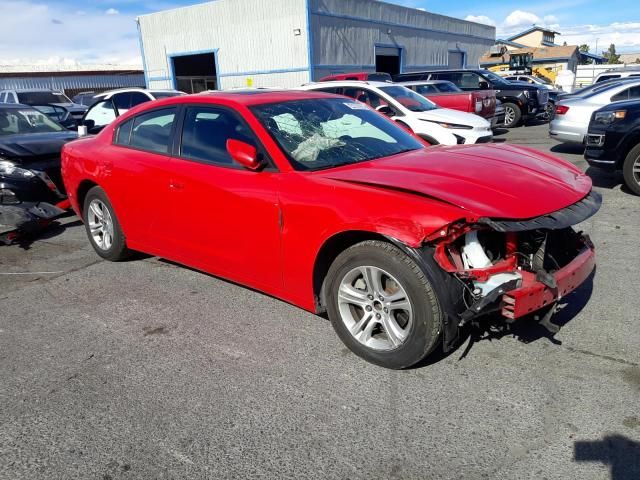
(104, 31)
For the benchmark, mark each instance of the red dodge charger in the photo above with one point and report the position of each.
(329, 205)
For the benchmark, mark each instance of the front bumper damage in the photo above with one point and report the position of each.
(515, 267)
(24, 219)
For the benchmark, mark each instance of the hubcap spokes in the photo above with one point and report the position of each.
(375, 308)
(636, 170)
(100, 224)
(509, 115)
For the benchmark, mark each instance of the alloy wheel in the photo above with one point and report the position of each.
(509, 115)
(636, 170)
(375, 308)
(100, 224)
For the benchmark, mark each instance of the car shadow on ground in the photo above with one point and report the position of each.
(619, 453)
(527, 329)
(570, 148)
(500, 131)
(605, 179)
(55, 228)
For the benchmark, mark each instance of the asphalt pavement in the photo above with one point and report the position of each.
(148, 370)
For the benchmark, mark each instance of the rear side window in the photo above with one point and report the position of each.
(152, 131)
(634, 93)
(205, 133)
(602, 78)
(123, 134)
(623, 95)
(137, 98)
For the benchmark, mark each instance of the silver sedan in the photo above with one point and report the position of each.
(572, 115)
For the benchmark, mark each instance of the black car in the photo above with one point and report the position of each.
(30, 144)
(613, 141)
(521, 101)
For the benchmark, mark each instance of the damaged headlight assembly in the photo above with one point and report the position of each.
(11, 170)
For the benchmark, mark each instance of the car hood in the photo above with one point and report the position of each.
(447, 115)
(34, 145)
(497, 181)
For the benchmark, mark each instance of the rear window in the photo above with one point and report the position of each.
(38, 98)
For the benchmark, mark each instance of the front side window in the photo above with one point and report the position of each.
(324, 133)
(152, 130)
(447, 87)
(24, 121)
(409, 99)
(205, 133)
(101, 114)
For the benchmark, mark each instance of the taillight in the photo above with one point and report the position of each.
(561, 109)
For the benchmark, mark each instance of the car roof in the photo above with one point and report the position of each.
(422, 82)
(133, 89)
(349, 83)
(242, 97)
(24, 90)
(15, 106)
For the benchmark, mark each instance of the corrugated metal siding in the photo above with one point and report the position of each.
(345, 32)
(249, 36)
(73, 82)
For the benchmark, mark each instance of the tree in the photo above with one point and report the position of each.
(584, 48)
(611, 55)
(637, 60)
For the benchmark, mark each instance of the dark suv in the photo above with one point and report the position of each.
(613, 141)
(521, 101)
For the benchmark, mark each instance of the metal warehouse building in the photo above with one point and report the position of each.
(237, 43)
(70, 79)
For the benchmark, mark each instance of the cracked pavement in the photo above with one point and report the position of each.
(145, 369)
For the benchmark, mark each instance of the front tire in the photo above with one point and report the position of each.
(631, 170)
(102, 226)
(512, 115)
(382, 305)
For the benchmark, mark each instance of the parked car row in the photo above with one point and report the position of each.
(604, 117)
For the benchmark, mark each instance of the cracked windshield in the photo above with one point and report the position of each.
(324, 133)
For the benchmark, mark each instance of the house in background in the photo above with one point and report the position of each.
(540, 42)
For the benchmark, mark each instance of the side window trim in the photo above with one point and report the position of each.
(179, 127)
(170, 145)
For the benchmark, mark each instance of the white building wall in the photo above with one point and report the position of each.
(256, 41)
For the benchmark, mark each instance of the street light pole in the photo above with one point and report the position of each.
(593, 62)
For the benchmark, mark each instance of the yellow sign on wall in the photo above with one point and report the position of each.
(249, 82)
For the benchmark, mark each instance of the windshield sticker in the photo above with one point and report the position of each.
(356, 106)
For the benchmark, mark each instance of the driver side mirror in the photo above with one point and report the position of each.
(386, 110)
(243, 153)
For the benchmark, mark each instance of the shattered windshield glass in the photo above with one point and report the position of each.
(324, 133)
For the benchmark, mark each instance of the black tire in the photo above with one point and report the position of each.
(517, 115)
(118, 250)
(426, 327)
(631, 179)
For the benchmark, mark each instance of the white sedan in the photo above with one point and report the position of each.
(434, 124)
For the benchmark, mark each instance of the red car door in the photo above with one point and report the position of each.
(225, 219)
(139, 163)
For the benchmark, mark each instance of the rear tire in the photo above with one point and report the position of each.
(373, 288)
(102, 226)
(631, 170)
(512, 115)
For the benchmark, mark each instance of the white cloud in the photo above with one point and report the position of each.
(97, 38)
(520, 19)
(624, 35)
(481, 19)
(112, 11)
(551, 20)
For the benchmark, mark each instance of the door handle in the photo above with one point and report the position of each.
(176, 185)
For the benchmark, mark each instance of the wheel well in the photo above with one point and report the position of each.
(83, 188)
(629, 144)
(333, 247)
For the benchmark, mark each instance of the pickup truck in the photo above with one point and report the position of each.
(362, 76)
(445, 94)
(521, 101)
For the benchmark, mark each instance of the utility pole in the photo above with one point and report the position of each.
(593, 62)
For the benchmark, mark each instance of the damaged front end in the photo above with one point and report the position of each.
(516, 267)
